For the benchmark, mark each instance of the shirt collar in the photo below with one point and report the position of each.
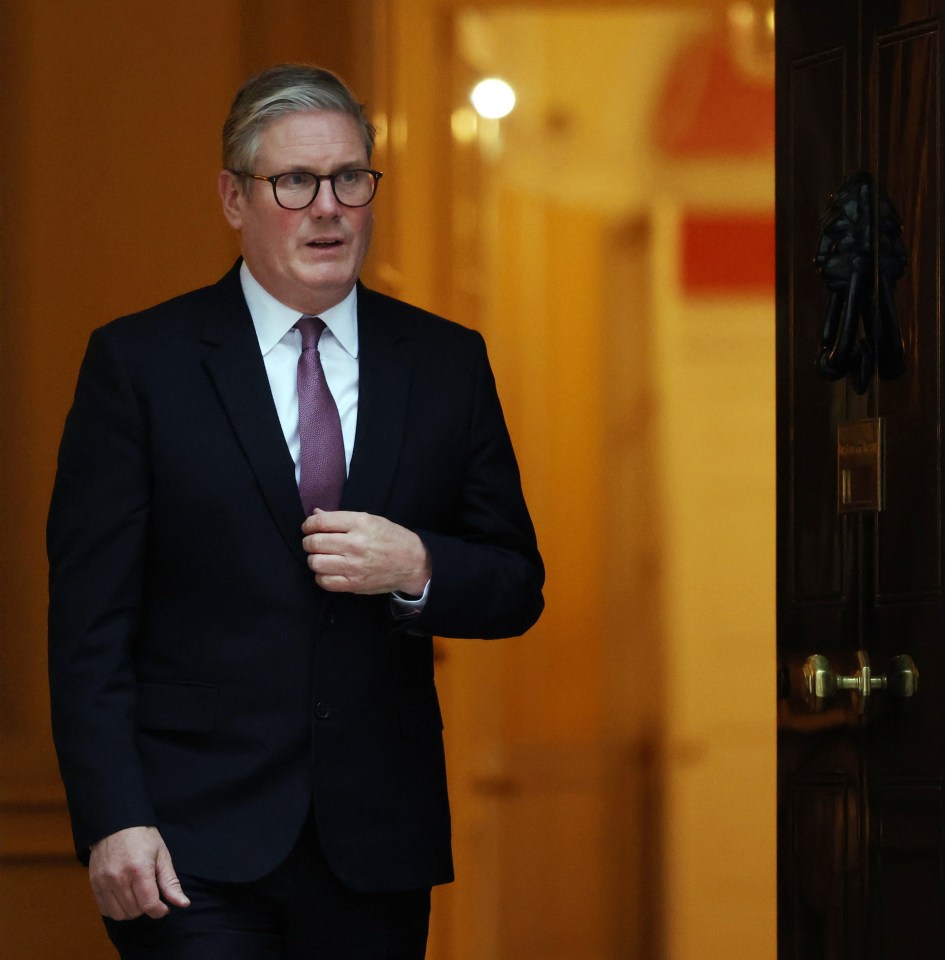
(273, 319)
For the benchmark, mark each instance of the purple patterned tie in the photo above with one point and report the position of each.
(322, 449)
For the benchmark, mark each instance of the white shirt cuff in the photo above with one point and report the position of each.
(401, 607)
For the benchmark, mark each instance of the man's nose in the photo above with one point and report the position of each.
(325, 203)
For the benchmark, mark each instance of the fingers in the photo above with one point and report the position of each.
(331, 544)
(365, 554)
(146, 897)
(168, 884)
(342, 574)
(127, 892)
(109, 906)
(130, 871)
(338, 539)
(335, 521)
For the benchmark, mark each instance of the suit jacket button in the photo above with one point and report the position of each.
(329, 619)
(321, 710)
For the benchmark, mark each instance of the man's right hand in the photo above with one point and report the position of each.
(131, 871)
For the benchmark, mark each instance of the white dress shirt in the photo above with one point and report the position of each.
(281, 346)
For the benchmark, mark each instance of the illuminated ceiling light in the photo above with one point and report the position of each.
(493, 98)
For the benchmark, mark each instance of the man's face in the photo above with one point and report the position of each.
(307, 259)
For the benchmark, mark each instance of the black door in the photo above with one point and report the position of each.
(861, 571)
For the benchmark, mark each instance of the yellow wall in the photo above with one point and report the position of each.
(644, 421)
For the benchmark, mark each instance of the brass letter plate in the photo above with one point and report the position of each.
(861, 474)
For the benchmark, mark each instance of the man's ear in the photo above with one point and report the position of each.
(233, 196)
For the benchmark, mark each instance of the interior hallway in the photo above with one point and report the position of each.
(613, 772)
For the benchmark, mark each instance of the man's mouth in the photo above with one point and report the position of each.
(323, 244)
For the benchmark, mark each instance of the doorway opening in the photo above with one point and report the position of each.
(613, 772)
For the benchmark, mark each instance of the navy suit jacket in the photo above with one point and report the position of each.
(201, 681)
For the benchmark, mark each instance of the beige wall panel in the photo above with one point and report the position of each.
(48, 914)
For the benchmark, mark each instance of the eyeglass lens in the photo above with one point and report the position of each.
(354, 188)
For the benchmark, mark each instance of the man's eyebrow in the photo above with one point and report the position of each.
(339, 168)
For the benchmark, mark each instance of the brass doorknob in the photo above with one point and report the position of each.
(821, 682)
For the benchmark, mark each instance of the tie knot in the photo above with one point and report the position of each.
(311, 329)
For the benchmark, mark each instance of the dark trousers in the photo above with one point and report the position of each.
(301, 911)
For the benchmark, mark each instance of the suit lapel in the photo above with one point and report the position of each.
(236, 367)
(383, 388)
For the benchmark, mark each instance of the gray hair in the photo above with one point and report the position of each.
(276, 92)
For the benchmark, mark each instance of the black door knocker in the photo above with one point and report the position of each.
(861, 334)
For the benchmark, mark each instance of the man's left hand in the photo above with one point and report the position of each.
(362, 553)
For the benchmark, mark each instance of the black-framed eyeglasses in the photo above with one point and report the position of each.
(297, 189)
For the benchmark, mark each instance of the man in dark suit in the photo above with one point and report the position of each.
(241, 665)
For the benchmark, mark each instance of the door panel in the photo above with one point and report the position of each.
(906, 148)
(906, 770)
(818, 143)
(861, 806)
(909, 869)
(825, 814)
